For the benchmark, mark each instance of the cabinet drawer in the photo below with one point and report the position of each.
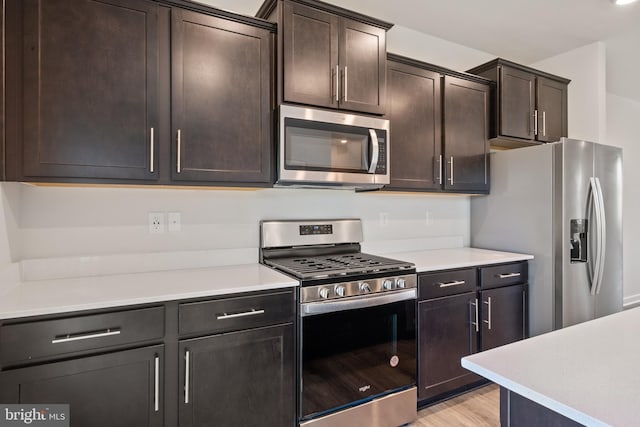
(30, 341)
(433, 285)
(503, 275)
(232, 314)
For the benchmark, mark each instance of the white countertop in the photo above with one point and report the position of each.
(444, 259)
(587, 372)
(85, 293)
(41, 297)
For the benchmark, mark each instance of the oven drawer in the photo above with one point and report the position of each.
(232, 314)
(434, 285)
(504, 275)
(45, 339)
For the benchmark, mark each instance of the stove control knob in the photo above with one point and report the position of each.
(324, 293)
(387, 285)
(400, 283)
(339, 290)
(365, 288)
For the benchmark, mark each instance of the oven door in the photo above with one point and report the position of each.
(331, 148)
(356, 354)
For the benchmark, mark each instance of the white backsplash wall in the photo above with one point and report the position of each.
(62, 222)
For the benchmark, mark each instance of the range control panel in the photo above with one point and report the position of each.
(306, 230)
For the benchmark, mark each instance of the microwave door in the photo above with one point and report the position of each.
(375, 152)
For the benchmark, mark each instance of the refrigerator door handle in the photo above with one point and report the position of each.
(595, 200)
(602, 244)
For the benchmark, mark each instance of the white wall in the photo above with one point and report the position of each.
(586, 67)
(622, 118)
(88, 225)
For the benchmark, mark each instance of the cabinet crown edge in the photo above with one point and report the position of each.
(504, 62)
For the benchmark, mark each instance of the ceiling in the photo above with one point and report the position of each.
(524, 31)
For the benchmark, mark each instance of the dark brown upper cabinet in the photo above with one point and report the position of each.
(221, 100)
(331, 57)
(439, 128)
(137, 92)
(530, 106)
(82, 89)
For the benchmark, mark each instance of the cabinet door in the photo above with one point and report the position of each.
(89, 79)
(503, 316)
(446, 333)
(517, 103)
(466, 135)
(310, 56)
(363, 63)
(552, 109)
(414, 112)
(239, 379)
(116, 389)
(221, 115)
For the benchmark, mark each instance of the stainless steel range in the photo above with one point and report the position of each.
(357, 328)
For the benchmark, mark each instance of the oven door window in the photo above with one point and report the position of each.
(326, 147)
(356, 355)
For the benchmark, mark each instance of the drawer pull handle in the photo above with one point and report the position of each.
(68, 338)
(508, 275)
(253, 312)
(454, 283)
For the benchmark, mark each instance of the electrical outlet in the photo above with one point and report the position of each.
(156, 222)
(174, 221)
(427, 218)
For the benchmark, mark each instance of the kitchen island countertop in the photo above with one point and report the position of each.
(586, 372)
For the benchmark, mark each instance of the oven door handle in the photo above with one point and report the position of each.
(312, 308)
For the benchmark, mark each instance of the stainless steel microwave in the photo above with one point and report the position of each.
(332, 149)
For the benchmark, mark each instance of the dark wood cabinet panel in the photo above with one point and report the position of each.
(310, 55)
(221, 100)
(446, 335)
(517, 103)
(363, 58)
(331, 57)
(466, 135)
(88, 73)
(552, 109)
(116, 389)
(503, 316)
(241, 378)
(415, 115)
(530, 106)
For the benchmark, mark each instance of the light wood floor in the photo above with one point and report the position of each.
(478, 408)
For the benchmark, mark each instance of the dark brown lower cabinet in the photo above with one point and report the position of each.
(446, 335)
(242, 378)
(461, 312)
(123, 388)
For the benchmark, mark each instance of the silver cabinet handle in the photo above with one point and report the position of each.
(346, 83)
(67, 338)
(253, 312)
(151, 153)
(508, 275)
(179, 142)
(156, 385)
(451, 170)
(337, 83)
(488, 321)
(186, 375)
(475, 305)
(544, 123)
(454, 283)
(535, 122)
(376, 150)
(440, 169)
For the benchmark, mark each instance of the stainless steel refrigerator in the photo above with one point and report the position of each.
(562, 203)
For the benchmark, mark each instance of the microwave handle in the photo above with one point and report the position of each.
(376, 151)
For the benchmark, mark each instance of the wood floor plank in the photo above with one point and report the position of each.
(478, 408)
